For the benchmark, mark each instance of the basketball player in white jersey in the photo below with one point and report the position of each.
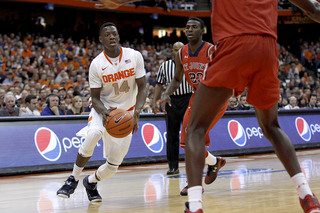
(117, 80)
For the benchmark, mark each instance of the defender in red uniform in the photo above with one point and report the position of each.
(245, 33)
(192, 61)
(194, 65)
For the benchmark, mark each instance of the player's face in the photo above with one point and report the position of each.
(193, 30)
(110, 38)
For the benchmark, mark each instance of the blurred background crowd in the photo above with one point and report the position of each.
(38, 64)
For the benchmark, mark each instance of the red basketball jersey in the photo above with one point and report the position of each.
(194, 64)
(242, 17)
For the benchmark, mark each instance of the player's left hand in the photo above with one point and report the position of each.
(136, 122)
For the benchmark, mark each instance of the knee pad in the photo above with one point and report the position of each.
(106, 171)
(92, 138)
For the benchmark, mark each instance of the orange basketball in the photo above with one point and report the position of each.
(119, 123)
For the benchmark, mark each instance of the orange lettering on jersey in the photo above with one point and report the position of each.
(119, 75)
(110, 78)
(105, 79)
(126, 73)
(116, 77)
(132, 72)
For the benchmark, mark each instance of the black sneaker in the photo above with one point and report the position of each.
(91, 189)
(173, 172)
(68, 188)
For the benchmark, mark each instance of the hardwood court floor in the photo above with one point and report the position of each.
(256, 183)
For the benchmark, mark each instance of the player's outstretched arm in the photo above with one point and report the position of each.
(112, 4)
(310, 7)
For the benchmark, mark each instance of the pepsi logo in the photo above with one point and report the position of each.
(237, 133)
(47, 143)
(152, 137)
(303, 129)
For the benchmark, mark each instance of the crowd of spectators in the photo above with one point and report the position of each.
(39, 66)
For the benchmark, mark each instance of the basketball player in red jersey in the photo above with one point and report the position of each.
(245, 33)
(191, 61)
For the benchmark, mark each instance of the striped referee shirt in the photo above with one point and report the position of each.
(166, 74)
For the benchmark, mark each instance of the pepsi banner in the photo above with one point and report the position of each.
(29, 142)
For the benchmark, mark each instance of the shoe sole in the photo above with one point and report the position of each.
(96, 200)
(63, 195)
(172, 174)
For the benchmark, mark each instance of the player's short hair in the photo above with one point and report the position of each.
(198, 20)
(107, 24)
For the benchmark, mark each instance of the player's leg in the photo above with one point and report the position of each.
(207, 103)
(114, 151)
(94, 133)
(268, 121)
(214, 163)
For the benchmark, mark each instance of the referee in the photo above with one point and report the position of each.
(175, 112)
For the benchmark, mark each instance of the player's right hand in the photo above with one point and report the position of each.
(106, 113)
(165, 98)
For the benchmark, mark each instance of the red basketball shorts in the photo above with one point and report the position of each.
(186, 119)
(248, 61)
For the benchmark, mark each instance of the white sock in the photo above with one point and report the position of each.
(211, 159)
(301, 184)
(195, 198)
(76, 171)
(92, 178)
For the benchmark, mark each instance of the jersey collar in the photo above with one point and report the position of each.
(120, 57)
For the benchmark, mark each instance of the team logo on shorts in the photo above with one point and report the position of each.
(303, 129)
(152, 137)
(48, 144)
(237, 133)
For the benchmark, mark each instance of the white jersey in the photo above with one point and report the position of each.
(117, 79)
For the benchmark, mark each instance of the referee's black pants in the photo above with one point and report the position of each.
(174, 117)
